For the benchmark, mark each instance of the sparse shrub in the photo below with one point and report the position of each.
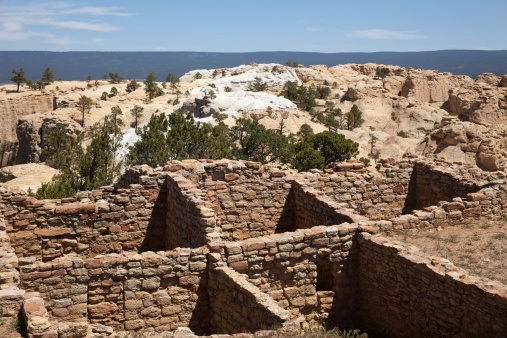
(132, 86)
(257, 85)
(228, 89)
(366, 161)
(176, 101)
(198, 76)
(212, 85)
(291, 63)
(393, 116)
(500, 235)
(402, 133)
(104, 96)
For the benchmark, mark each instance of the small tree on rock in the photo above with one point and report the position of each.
(137, 113)
(84, 103)
(19, 77)
(48, 76)
(354, 118)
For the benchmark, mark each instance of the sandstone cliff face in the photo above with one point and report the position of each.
(469, 143)
(12, 107)
(32, 130)
(479, 103)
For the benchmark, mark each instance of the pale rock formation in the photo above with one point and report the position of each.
(503, 81)
(488, 78)
(12, 107)
(479, 103)
(469, 143)
(26, 176)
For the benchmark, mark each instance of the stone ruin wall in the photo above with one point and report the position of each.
(405, 293)
(276, 279)
(163, 290)
(310, 273)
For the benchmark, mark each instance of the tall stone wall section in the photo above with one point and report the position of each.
(239, 306)
(190, 221)
(291, 267)
(403, 293)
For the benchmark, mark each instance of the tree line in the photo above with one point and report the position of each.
(178, 136)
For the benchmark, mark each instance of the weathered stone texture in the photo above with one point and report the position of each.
(404, 293)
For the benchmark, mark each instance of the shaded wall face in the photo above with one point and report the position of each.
(434, 184)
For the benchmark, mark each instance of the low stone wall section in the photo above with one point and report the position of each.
(150, 291)
(94, 222)
(404, 293)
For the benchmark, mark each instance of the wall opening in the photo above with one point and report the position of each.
(325, 279)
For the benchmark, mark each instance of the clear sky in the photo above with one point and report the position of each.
(249, 26)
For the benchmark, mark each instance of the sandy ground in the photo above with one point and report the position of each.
(477, 246)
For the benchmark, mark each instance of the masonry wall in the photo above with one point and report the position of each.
(238, 306)
(376, 194)
(286, 267)
(94, 222)
(249, 205)
(435, 183)
(150, 291)
(313, 209)
(403, 293)
(189, 217)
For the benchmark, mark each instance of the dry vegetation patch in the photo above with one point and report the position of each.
(479, 246)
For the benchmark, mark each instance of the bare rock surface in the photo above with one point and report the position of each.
(12, 107)
(26, 176)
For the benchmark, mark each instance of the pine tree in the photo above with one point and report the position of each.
(137, 113)
(48, 76)
(19, 77)
(84, 103)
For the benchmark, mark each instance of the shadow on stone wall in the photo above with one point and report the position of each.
(155, 232)
(200, 319)
(287, 221)
(411, 200)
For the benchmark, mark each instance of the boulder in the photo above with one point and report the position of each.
(488, 78)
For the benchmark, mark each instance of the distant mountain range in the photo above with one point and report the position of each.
(136, 65)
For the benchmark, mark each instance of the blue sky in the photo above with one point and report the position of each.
(248, 26)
